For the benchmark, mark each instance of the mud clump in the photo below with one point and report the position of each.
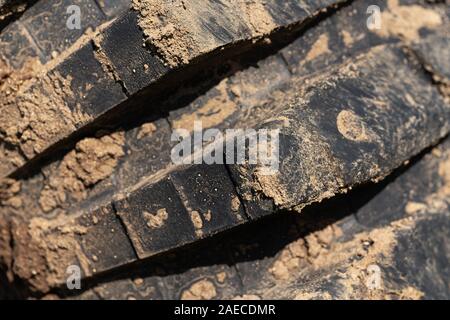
(147, 129)
(34, 112)
(157, 220)
(303, 251)
(352, 127)
(43, 250)
(180, 31)
(319, 48)
(197, 222)
(92, 160)
(201, 290)
(212, 113)
(9, 193)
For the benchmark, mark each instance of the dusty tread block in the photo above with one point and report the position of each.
(422, 258)
(210, 198)
(155, 218)
(123, 44)
(333, 40)
(255, 85)
(286, 11)
(148, 150)
(105, 242)
(95, 90)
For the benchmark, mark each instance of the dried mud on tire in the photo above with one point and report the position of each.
(87, 177)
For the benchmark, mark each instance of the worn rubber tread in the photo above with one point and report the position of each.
(140, 184)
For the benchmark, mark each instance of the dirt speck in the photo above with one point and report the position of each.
(347, 37)
(351, 126)
(43, 250)
(147, 129)
(201, 290)
(235, 204)
(197, 222)
(319, 48)
(156, 220)
(221, 276)
(415, 207)
(208, 215)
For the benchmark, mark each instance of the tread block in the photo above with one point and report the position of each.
(210, 197)
(95, 90)
(46, 23)
(283, 11)
(155, 218)
(148, 150)
(123, 43)
(105, 242)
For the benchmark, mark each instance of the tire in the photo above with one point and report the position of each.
(89, 179)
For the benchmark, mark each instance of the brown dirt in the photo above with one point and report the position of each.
(6, 256)
(211, 114)
(351, 126)
(157, 220)
(200, 290)
(43, 250)
(347, 37)
(322, 251)
(147, 129)
(415, 207)
(319, 48)
(197, 222)
(406, 21)
(9, 193)
(34, 112)
(92, 160)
